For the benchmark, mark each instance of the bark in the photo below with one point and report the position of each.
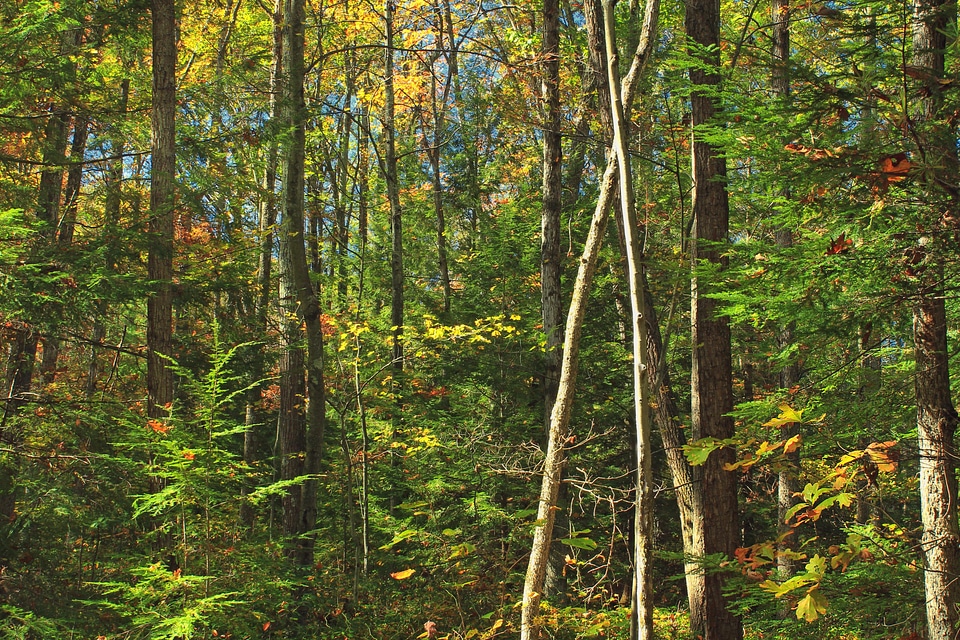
(550, 266)
(936, 414)
(162, 174)
(686, 479)
(562, 408)
(438, 111)
(642, 620)
(297, 275)
(71, 195)
(788, 484)
(550, 257)
(391, 177)
(267, 213)
(711, 377)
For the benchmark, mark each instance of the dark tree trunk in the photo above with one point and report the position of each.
(162, 176)
(306, 432)
(711, 379)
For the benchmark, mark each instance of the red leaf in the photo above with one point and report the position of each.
(841, 245)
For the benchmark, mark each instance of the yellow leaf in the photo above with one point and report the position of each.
(812, 606)
(403, 575)
(787, 415)
(792, 444)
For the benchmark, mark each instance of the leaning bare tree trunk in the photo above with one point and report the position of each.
(162, 173)
(711, 379)
(562, 408)
(642, 620)
(936, 414)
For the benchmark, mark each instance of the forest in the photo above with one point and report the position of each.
(446, 320)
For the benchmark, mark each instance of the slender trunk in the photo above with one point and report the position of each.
(550, 266)
(787, 480)
(642, 620)
(936, 414)
(162, 175)
(392, 178)
(267, 219)
(711, 379)
(557, 442)
(71, 195)
(550, 256)
(297, 274)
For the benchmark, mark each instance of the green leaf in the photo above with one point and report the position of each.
(580, 543)
(697, 452)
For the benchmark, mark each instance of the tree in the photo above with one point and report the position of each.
(711, 376)
(162, 189)
(557, 440)
(936, 415)
(642, 620)
(304, 437)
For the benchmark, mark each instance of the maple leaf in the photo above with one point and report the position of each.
(842, 244)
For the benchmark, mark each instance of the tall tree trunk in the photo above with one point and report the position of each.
(297, 275)
(162, 176)
(642, 620)
(562, 408)
(550, 256)
(936, 414)
(711, 379)
(392, 178)
(267, 213)
(787, 479)
(550, 266)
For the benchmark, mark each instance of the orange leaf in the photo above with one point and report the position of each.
(895, 167)
(403, 575)
(792, 444)
(158, 426)
(189, 455)
(266, 625)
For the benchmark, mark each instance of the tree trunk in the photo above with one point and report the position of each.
(936, 414)
(787, 479)
(711, 379)
(297, 274)
(392, 178)
(642, 620)
(550, 260)
(267, 213)
(162, 175)
(562, 408)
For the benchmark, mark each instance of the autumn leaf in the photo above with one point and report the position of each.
(787, 415)
(403, 575)
(895, 168)
(189, 455)
(158, 427)
(812, 605)
(793, 444)
(842, 244)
